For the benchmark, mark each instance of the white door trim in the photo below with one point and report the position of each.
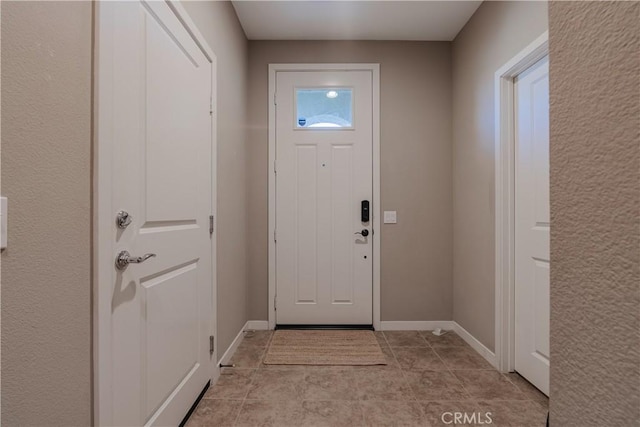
(505, 198)
(375, 69)
(103, 217)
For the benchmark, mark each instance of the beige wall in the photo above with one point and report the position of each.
(415, 169)
(218, 23)
(595, 213)
(46, 174)
(495, 33)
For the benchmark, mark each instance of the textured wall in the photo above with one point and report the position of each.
(415, 97)
(0, 194)
(218, 23)
(46, 158)
(595, 213)
(493, 35)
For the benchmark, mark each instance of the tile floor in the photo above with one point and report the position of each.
(426, 376)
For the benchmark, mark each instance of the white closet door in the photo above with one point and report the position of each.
(532, 311)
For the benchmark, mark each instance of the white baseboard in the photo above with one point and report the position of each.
(417, 325)
(226, 357)
(475, 344)
(257, 325)
(251, 325)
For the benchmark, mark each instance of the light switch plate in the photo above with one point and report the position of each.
(390, 217)
(3, 222)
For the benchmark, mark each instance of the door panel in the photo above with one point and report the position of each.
(532, 311)
(306, 235)
(342, 211)
(323, 269)
(170, 68)
(161, 309)
(171, 307)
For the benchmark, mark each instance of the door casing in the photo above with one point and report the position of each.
(505, 198)
(375, 211)
(103, 254)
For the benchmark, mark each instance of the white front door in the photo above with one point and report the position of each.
(532, 309)
(324, 174)
(156, 134)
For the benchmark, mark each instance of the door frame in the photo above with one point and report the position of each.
(376, 213)
(103, 217)
(505, 198)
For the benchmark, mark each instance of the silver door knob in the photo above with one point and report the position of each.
(124, 258)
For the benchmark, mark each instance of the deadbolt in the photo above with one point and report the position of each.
(123, 219)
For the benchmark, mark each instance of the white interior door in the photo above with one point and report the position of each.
(324, 172)
(532, 309)
(156, 112)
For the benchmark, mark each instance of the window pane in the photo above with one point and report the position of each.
(324, 108)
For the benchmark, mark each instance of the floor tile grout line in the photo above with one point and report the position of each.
(403, 370)
(235, 422)
(399, 367)
(473, 398)
(454, 376)
(255, 371)
(364, 418)
(423, 414)
(427, 341)
(405, 373)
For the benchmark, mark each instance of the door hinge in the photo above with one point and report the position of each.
(275, 303)
(275, 99)
(211, 106)
(210, 224)
(275, 236)
(275, 169)
(211, 344)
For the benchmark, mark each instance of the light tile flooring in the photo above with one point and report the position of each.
(426, 376)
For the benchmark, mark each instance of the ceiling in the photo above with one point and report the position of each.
(353, 20)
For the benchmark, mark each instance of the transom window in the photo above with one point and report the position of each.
(324, 108)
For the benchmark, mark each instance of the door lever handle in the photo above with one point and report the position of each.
(363, 233)
(124, 258)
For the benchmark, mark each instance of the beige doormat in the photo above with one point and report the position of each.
(324, 347)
